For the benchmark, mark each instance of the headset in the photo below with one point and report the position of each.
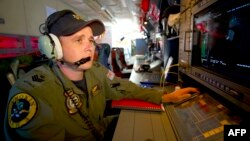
(49, 43)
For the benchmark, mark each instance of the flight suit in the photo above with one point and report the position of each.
(39, 106)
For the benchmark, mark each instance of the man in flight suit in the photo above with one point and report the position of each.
(66, 99)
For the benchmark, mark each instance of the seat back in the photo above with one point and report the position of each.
(15, 72)
(119, 68)
(115, 66)
(121, 59)
(103, 51)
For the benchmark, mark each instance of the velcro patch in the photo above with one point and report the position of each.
(21, 109)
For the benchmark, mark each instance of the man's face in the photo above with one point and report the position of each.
(77, 46)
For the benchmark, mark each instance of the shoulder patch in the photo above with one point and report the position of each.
(21, 109)
(110, 75)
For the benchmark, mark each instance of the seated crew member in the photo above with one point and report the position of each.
(65, 99)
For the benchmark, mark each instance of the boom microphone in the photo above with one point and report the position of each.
(77, 63)
(82, 61)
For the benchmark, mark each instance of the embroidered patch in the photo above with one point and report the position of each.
(21, 109)
(94, 90)
(77, 17)
(73, 101)
(38, 78)
(111, 75)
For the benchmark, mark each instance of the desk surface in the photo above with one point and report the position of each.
(137, 77)
(143, 126)
(134, 125)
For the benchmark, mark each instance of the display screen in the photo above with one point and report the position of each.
(223, 39)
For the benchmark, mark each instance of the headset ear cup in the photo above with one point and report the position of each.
(58, 48)
(50, 46)
(45, 46)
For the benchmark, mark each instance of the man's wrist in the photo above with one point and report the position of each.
(166, 98)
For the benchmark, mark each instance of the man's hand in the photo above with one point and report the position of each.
(179, 95)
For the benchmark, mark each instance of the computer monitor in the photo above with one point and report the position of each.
(220, 57)
(222, 43)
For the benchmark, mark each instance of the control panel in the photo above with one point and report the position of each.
(235, 93)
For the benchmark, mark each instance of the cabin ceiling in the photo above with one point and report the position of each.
(109, 11)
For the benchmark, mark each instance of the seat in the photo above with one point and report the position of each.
(121, 58)
(118, 67)
(15, 72)
(103, 53)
